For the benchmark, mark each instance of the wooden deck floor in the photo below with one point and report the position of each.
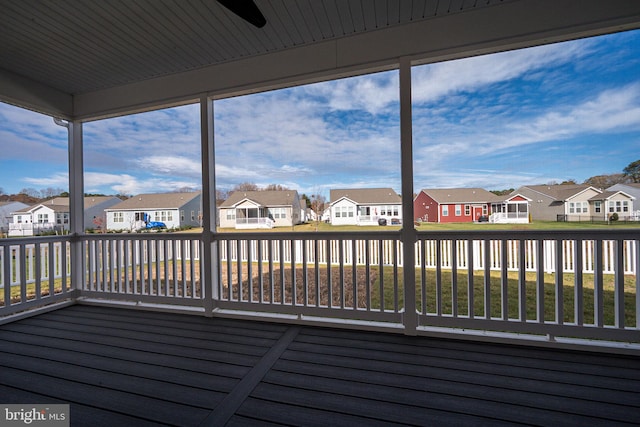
(136, 368)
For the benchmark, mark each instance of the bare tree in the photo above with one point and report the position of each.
(318, 202)
(246, 186)
(275, 187)
(185, 189)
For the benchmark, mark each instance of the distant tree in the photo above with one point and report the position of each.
(502, 192)
(275, 187)
(64, 194)
(570, 181)
(47, 193)
(632, 171)
(246, 186)
(31, 192)
(606, 181)
(185, 189)
(307, 200)
(318, 202)
(221, 195)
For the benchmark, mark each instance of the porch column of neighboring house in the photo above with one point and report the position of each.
(209, 255)
(408, 232)
(76, 203)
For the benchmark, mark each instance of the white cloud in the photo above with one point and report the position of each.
(435, 81)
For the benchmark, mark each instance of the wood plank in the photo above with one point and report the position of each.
(81, 415)
(91, 350)
(186, 377)
(103, 398)
(97, 337)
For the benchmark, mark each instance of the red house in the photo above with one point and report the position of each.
(453, 204)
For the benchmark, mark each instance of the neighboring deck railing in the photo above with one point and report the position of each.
(499, 281)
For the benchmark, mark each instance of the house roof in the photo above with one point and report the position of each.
(263, 198)
(61, 204)
(559, 192)
(155, 201)
(462, 195)
(365, 196)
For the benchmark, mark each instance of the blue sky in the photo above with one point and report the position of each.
(532, 116)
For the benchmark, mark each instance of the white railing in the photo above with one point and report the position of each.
(503, 281)
(33, 272)
(152, 267)
(254, 223)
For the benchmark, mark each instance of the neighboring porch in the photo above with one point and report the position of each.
(150, 368)
(514, 210)
(251, 218)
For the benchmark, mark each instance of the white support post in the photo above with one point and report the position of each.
(408, 233)
(76, 203)
(209, 257)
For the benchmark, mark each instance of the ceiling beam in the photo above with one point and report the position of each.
(26, 93)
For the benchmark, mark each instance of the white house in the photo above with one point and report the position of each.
(365, 206)
(53, 215)
(175, 210)
(261, 209)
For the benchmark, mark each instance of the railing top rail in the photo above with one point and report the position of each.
(599, 234)
(142, 236)
(13, 241)
(309, 235)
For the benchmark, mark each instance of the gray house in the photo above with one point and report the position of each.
(570, 202)
(175, 210)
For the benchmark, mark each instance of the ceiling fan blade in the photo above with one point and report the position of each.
(247, 10)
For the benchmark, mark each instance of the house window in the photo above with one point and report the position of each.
(467, 210)
(181, 215)
(445, 210)
(485, 209)
(458, 210)
(350, 211)
(139, 216)
(118, 217)
(43, 218)
(597, 206)
(170, 216)
(395, 211)
(625, 206)
(231, 214)
(572, 207)
(193, 217)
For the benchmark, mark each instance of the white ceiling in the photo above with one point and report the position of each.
(86, 59)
